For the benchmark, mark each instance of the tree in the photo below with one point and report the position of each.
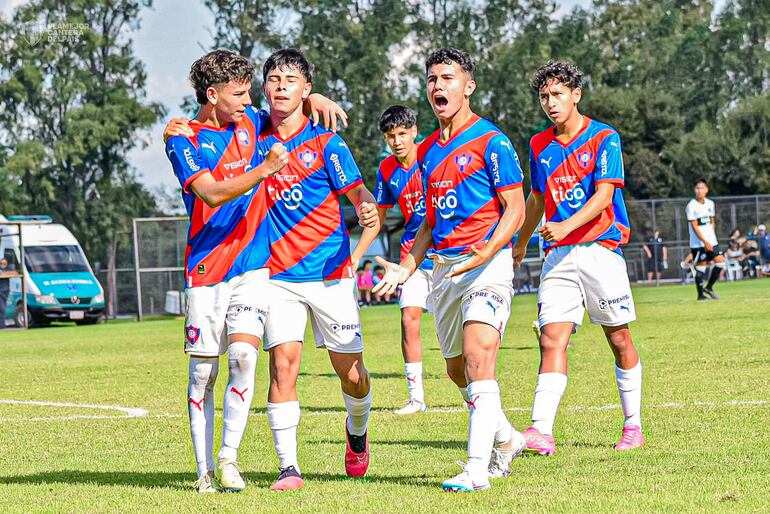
(72, 107)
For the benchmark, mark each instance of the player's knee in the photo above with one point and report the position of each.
(203, 372)
(620, 339)
(356, 378)
(549, 343)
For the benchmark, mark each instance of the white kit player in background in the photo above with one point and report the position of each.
(701, 215)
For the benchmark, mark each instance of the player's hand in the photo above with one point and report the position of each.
(554, 231)
(395, 274)
(318, 106)
(708, 246)
(177, 127)
(367, 215)
(518, 255)
(276, 160)
(477, 258)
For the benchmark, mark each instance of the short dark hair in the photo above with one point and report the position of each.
(287, 57)
(560, 71)
(218, 68)
(449, 56)
(397, 116)
(700, 180)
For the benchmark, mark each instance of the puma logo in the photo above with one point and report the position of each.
(198, 404)
(209, 146)
(239, 393)
(547, 162)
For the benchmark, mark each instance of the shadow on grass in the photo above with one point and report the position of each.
(408, 443)
(373, 375)
(184, 481)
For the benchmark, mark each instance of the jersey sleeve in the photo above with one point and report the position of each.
(534, 183)
(609, 165)
(382, 193)
(187, 162)
(259, 117)
(340, 165)
(689, 211)
(503, 164)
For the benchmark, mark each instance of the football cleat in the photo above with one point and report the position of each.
(632, 438)
(289, 479)
(711, 293)
(539, 443)
(206, 484)
(356, 464)
(463, 482)
(229, 476)
(411, 407)
(504, 453)
(702, 298)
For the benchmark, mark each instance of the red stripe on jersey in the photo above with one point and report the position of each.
(344, 271)
(388, 166)
(592, 230)
(486, 216)
(625, 233)
(313, 230)
(350, 186)
(571, 172)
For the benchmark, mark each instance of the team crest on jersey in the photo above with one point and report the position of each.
(584, 158)
(243, 137)
(308, 157)
(463, 160)
(192, 334)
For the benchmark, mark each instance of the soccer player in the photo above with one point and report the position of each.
(311, 265)
(474, 205)
(226, 277)
(399, 180)
(577, 172)
(704, 246)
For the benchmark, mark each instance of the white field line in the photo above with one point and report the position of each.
(131, 412)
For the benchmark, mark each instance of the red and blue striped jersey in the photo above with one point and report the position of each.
(308, 237)
(230, 239)
(567, 175)
(396, 184)
(463, 176)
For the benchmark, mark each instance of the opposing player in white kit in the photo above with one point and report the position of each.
(577, 172)
(399, 180)
(226, 276)
(474, 205)
(701, 215)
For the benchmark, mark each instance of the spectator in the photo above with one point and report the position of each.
(656, 253)
(734, 258)
(763, 238)
(5, 288)
(735, 235)
(365, 283)
(751, 256)
(379, 272)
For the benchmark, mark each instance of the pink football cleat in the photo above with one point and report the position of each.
(539, 443)
(632, 438)
(289, 479)
(356, 464)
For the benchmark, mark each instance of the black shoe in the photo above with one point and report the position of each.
(711, 293)
(702, 298)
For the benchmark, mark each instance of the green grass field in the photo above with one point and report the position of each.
(706, 415)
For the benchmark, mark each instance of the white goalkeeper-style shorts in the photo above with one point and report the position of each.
(416, 290)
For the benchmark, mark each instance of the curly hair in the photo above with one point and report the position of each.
(218, 68)
(563, 72)
(449, 56)
(397, 116)
(285, 58)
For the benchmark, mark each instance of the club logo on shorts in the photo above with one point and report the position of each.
(463, 160)
(192, 334)
(308, 158)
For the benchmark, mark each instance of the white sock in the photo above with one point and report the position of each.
(284, 418)
(466, 397)
(548, 392)
(413, 372)
(630, 389)
(358, 412)
(202, 375)
(242, 362)
(485, 413)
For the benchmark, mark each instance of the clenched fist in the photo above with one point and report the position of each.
(276, 159)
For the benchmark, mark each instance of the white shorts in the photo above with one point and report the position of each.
(580, 277)
(333, 310)
(416, 290)
(483, 294)
(240, 305)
